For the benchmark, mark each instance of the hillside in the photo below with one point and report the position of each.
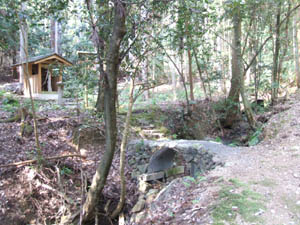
(257, 185)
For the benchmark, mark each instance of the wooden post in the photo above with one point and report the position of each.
(60, 87)
(49, 78)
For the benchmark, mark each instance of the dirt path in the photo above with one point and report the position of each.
(272, 168)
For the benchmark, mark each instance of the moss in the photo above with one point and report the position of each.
(291, 203)
(237, 200)
(237, 183)
(266, 183)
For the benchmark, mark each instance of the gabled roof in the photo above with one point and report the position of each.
(45, 58)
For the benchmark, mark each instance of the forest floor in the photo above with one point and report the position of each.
(260, 185)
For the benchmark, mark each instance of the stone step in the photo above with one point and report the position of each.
(152, 131)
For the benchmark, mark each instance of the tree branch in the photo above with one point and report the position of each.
(28, 162)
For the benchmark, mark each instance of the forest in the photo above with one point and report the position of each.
(149, 112)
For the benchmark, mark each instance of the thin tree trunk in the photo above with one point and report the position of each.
(55, 36)
(99, 44)
(254, 68)
(110, 79)
(23, 38)
(192, 98)
(14, 59)
(274, 83)
(296, 50)
(145, 79)
(174, 81)
(200, 73)
(286, 42)
(23, 28)
(153, 71)
(182, 80)
(122, 151)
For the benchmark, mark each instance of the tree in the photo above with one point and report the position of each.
(296, 48)
(110, 94)
(25, 70)
(233, 110)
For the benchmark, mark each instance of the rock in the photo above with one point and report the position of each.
(151, 195)
(28, 130)
(161, 160)
(121, 219)
(139, 206)
(16, 88)
(190, 154)
(144, 186)
(168, 191)
(142, 168)
(137, 219)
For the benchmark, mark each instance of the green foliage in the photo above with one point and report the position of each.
(234, 144)
(255, 137)
(66, 171)
(218, 139)
(140, 146)
(10, 104)
(2, 94)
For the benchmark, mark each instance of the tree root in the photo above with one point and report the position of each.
(28, 162)
(21, 113)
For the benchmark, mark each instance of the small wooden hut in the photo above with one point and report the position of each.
(39, 69)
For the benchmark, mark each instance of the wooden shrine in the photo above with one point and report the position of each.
(40, 73)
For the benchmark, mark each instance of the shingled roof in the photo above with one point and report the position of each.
(43, 58)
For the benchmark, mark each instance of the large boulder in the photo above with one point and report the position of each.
(16, 88)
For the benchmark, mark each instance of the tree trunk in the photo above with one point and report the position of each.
(233, 105)
(153, 71)
(174, 84)
(200, 73)
(100, 97)
(274, 83)
(23, 39)
(55, 36)
(25, 70)
(247, 107)
(296, 50)
(122, 151)
(110, 90)
(192, 98)
(286, 44)
(145, 79)
(14, 59)
(254, 68)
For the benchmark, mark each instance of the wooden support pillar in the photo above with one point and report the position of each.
(60, 91)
